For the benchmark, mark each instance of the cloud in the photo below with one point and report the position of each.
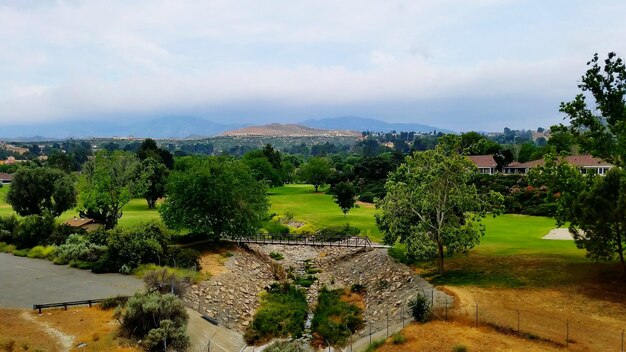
(78, 59)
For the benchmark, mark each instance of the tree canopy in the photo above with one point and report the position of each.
(432, 207)
(107, 183)
(38, 190)
(316, 171)
(214, 195)
(154, 174)
(344, 194)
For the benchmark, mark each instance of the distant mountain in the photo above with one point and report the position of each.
(289, 130)
(364, 124)
(162, 127)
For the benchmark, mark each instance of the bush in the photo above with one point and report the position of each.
(165, 281)
(20, 252)
(7, 227)
(304, 281)
(42, 252)
(282, 313)
(7, 248)
(398, 338)
(130, 247)
(276, 256)
(376, 344)
(184, 257)
(78, 248)
(113, 302)
(186, 275)
(33, 230)
(151, 316)
(459, 348)
(338, 232)
(419, 307)
(274, 226)
(285, 346)
(335, 319)
(81, 264)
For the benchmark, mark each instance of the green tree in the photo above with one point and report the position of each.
(107, 183)
(597, 216)
(344, 194)
(149, 149)
(432, 207)
(316, 171)
(38, 190)
(154, 175)
(216, 196)
(601, 130)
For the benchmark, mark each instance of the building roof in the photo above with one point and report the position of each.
(5, 176)
(482, 160)
(79, 222)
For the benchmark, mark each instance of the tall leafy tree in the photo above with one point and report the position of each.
(149, 149)
(601, 130)
(344, 194)
(316, 171)
(154, 174)
(216, 196)
(432, 207)
(107, 183)
(39, 190)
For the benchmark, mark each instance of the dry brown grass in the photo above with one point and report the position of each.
(441, 336)
(93, 326)
(19, 334)
(353, 298)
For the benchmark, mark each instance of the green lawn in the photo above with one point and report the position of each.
(319, 210)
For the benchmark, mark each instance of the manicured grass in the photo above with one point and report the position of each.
(319, 210)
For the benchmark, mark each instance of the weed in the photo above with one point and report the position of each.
(276, 256)
(335, 320)
(398, 338)
(376, 344)
(459, 348)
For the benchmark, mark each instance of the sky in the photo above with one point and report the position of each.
(455, 64)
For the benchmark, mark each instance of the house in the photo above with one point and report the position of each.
(585, 163)
(84, 223)
(485, 163)
(5, 178)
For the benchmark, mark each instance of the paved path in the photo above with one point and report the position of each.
(25, 281)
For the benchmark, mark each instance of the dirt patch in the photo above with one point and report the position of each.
(559, 234)
(66, 341)
(21, 333)
(353, 298)
(444, 336)
(365, 204)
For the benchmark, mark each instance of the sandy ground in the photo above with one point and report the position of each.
(559, 234)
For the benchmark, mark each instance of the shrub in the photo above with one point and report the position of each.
(285, 346)
(186, 275)
(151, 316)
(42, 252)
(282, 313)
(7, 227)
(305, 281)
(33, 230)
(81, 264)
(184, 257)
(334, 320)
(419, 307)
(376, 344)
(78, 248)
(7, 248)
(459, 348)
(20, 252)
(338, 232)
(274, 226)
(398, 338)
(130, 247)
(113, 302)
(276, 256)
(165, 281)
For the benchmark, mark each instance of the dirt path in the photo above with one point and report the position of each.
(67, 341)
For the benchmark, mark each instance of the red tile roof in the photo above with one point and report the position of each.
(5, 176)
(78, 222)
(482, 160)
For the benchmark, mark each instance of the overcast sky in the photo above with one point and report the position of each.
(461, 65)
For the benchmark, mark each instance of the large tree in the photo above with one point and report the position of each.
(601, 130)
(154, 174)
(107, 183)
(316, 171)
(38, 190)
(344, 194)
(216, 196)
(432, 207)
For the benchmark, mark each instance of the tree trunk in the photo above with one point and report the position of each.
(316, 185)
(441, 270)
(620, 249)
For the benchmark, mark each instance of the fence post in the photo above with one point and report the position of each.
(567, 334)
(371, 336)
(432, 297)
(387, 323)
(402, 314)
(622, 340)
(476, 313)
(518, 330)
(446, 298)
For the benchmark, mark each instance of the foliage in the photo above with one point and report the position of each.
(216, 196)
(39, 190)
(149, 150)
(285, 346)
(419, 307)
(596, 216)
(282, 313)
(338, 232)
(107, 183)
(113, 302)
(276, 256)
(41, 252)
(33, 230)
(459, 348)
(184, 275)
(165, 281)
(151, 317)
(335, 320)
(154, 174)
(431, 206)
(601, 130)
(132, 246)
(316, 171)
(79, 248)
(275, 226)
(7, 248)
(376, 344)
(398, 338)
(344, 194)
(183, 257)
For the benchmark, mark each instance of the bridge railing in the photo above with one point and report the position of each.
(89, 302)
(313, 240)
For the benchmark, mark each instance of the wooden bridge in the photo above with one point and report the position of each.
(308, 240)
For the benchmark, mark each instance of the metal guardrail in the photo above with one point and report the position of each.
(89, 302)
(310, 240)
